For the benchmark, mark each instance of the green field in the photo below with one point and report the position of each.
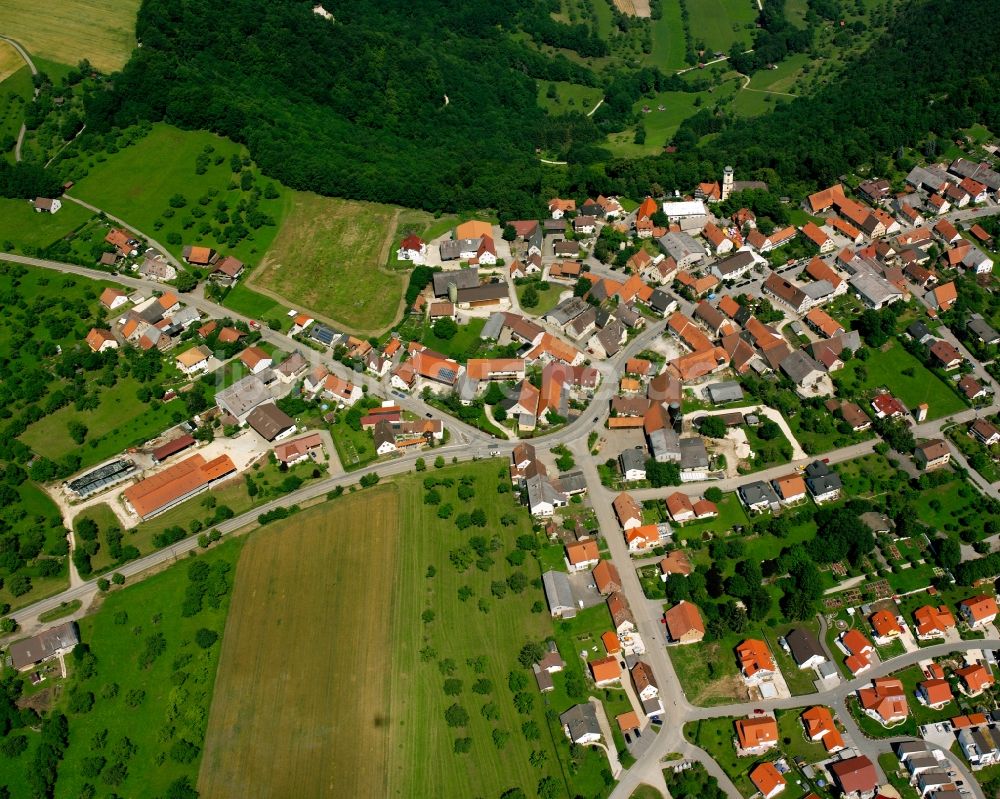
(369, 688)
(102, 515)
(23, 228)
(249, 303)
(118, 422)
(548, 298)
(15, 92)
(660, 126)
(329, 259)
(668, 38)
(718, 24)
(569, 96)
(900, 372)
(136, 184)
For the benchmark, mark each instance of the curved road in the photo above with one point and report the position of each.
(31, 65)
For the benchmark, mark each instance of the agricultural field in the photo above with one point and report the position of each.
(24, 230)
(154, 184)
(138, 701)
(10, 61)
(718, 24)
(370, 688)
(329, 259)
(899, 371)
(101, 31)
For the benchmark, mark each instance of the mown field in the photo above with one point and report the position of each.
(329, 259)
(668, 38)
(10, 61)
(21, 226)
(333, 663)
(101, 31)
(720, 23)
(138, 183)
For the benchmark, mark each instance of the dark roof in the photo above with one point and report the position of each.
(39, 647)
(488, 291)
(804, 645)
(179, 444)
(269, 420)
(461, 278)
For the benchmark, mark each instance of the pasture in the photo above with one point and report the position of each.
(333, 664)
(101, 31)
(329, 259)
(568, 97)
(138, 182)
(718, 24)
(21, 226)
(668, 39)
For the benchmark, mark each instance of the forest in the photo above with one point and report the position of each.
(438, 110)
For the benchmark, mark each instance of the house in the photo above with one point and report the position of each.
(874, 291)
(932, 454)
(787, 293)
(682, 248)
(805, 648)
(584, 224)
(113, 298)
(755, 736)
(176, 483)
(100, 340)
(684, 623)
(645, 536)
(580, 724)
(122, 241)
(885, 626)
(559, 595)
(726, 391)
(413, 249)
(816, 235)
(855, 776)
(755, 660)
(299, 449)
(820, 726)
(255, 359)
(933, 622)
(887, 406)
(824, 485)
(675, 562)
(621, 614)
(633, 464)
(680, 507)
(975, 679)
(934, 693)
(854, 416)
(200, 256)
(53, 642)
(971, 388)
(582, 555)
(228, 270)
(543, 496)
(825, 199)
(884, 700)
(875, 191)
(559, 208)
(606, 578)
(941, 298)
(858, 648)
(767, 780)
(790, 489)
(270, 422)
(719, 242)
(975, 260)
(694, 459)
(47, 205)
(985, 432)
(605, 671)
(242, 397)
(689, 214)
(758, 496)
(946, 355)
(645, 684)
(194, 360)
(628, 511)
(978, 611)
(980, 746)
(823, 323)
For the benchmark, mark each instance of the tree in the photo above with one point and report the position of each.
(445, 328)
(205, 637)
(713, 427)
(420, 465)
(456, 716)
(183, 751)
(713, 494)
(509, 233)
(452, 686)
(662, 474)
(531, 652)
(530, 299)
(77, 430)
(439, 462)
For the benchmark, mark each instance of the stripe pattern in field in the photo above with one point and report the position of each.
(301, 699)
(102, 31)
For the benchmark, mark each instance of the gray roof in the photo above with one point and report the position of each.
(634, 458)
(918, 331)
(823, 484)
(926, 177)
(543, 678)
(566, 248)
(974, 256)
(558, 592)
(581, 720)
(681, 246)
(269, 420)
(540, 490)
(798, 366)
(293, 364)
(494, 326)
(734, 263)
(611, 337)
(461, 278)
(466, 388)
(567, 310)
(978, 326)
(693, 454)
(726, 391)
(911, 748)
(185, 316)
(817, 469)
(572, 482)
(760, 491)
(243, 396)
(804, 645)
(980, 172)
(43, 645)
(665, 444)
(817, 289)
(577, 327)
(874, 288)
(453, 248)
(659, 300)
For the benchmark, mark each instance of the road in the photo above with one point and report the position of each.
(34, 71)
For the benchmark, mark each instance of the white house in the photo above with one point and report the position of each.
(194, 360)
(46, 205)
(413, 249)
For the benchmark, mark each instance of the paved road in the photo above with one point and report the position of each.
(34, 71)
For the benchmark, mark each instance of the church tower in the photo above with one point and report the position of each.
(727, 182)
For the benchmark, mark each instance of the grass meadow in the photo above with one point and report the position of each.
(668, 38)
(10, 61)
(22, 226)
(101, 31)
(136, 183)
(721, 23)
(329, 259)
(339, 658)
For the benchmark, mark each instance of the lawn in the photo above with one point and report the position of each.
(717, 736)
(952, 507)
(23, 228)
(978, 456)
(731, 514)
(118, 422)
(102, 515)
(101, 31)
(464, 343)
(903, 375)
(370, 690)
(249, 303)
(668, 38)
(720, 23)
(154, 705)
(329, 258)
(548, 298)
(136, 184)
